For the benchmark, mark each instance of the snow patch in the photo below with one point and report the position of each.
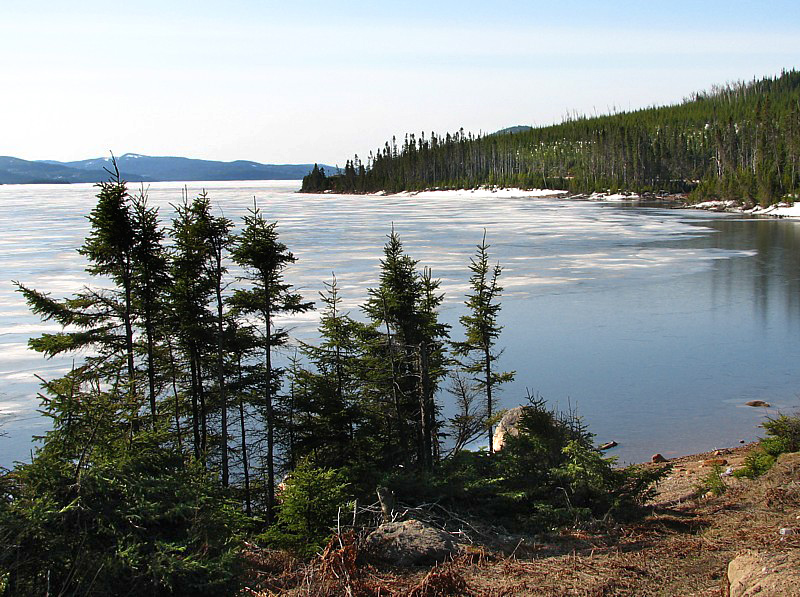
(478, 192)
(778, 210)
(614, 197)
(781, 210)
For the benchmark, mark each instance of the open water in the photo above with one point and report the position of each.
(657, 324)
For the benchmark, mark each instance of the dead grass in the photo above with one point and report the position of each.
(682, 549)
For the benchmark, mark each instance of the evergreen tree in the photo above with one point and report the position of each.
(213, 233)
(326, 403)
(191, 292)
(481, 328)
(109, 250)
(150, 282)
(405, 306)
(102, 320)
(264, 258)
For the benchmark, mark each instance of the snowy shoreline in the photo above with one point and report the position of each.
(516, 192)
(776, 210)
(506, 192)
(477, 192)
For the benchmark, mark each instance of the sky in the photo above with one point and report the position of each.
(310, 81)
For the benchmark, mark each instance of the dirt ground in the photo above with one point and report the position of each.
(682, 548)
(689, 471)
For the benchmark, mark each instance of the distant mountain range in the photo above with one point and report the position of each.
(141, 168)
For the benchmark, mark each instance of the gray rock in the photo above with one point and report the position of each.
(409, 543)
(764, 573)
(508, 425)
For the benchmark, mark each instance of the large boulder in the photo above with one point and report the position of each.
(764, 573)
(508, 425)
(408, 543)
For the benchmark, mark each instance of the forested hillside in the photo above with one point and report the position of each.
(739, 141)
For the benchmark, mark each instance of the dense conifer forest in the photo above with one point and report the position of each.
(189, 427)
(739, 141)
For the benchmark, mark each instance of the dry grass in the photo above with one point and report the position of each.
(680, 550)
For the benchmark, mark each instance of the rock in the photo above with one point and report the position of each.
(714, 462)
(408, 543)
(609, 445)
(757, 403)
(507, 425)
(658, 458)
(764, 573)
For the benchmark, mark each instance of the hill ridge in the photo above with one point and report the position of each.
(136, 167)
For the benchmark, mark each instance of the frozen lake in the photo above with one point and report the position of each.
(658, 324)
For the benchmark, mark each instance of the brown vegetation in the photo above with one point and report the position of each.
(681, 548)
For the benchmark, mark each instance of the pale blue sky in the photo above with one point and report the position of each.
(314, 81)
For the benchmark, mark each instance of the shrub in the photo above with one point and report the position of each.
(786, 429)
(783, 435)
(309, 504)
(756, 463)
(547, 476)
(713, 482)
(144, 522)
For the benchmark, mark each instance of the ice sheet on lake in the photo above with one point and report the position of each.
(547, 246)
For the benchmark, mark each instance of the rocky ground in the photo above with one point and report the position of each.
(683, 547)
(688, 473)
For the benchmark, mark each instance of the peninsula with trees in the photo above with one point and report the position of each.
(739, 141)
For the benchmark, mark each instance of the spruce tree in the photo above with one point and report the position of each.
(190, 295)
(100, 320)
(150, 282)
(213, 233)
(327, 401)
(404, 307)
(264, 258)
(481, 328)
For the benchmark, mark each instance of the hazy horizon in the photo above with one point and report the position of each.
(318, 82)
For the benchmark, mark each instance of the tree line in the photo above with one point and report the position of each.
(739, 141)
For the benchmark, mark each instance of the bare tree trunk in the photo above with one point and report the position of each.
(488, 370)
(398, 411)
(195, 406)
(175, 394)
(270, 419)
(426, 416)
(151, 373)
(223, 398)
(245, 462)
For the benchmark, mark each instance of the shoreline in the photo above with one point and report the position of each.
(776, 210)
(673, 200)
